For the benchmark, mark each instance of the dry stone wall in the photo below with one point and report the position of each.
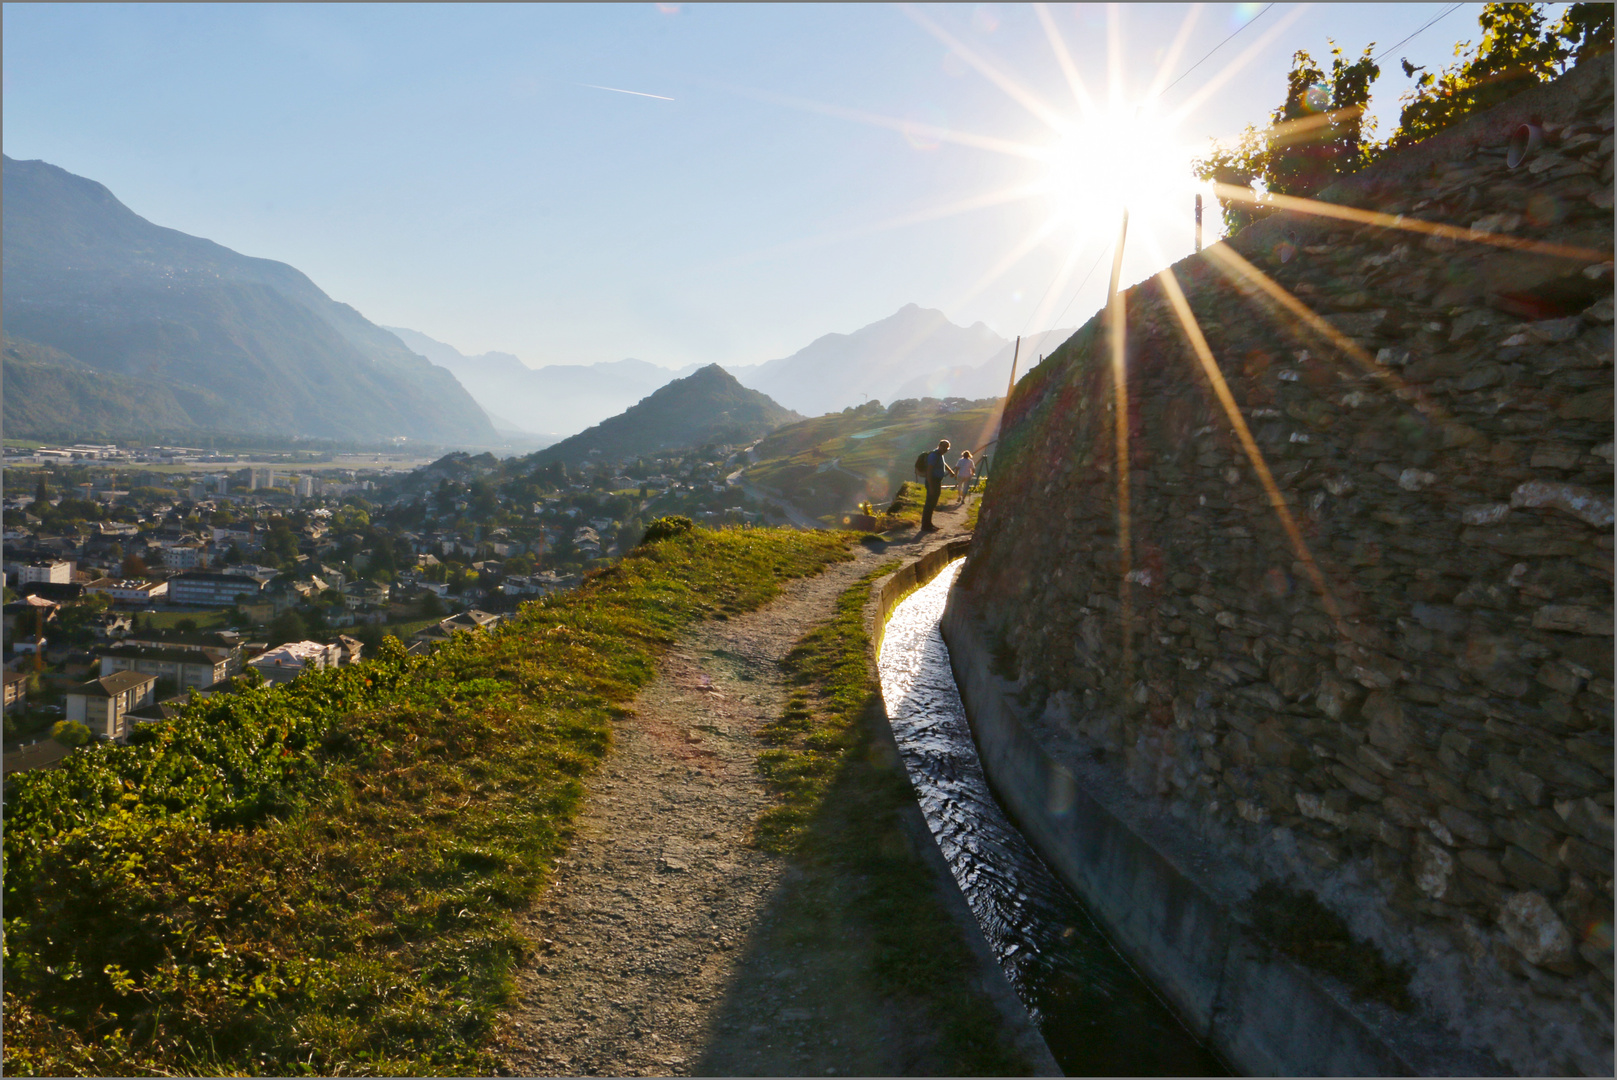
(1433, 758)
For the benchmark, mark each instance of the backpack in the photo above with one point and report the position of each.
(921, 463)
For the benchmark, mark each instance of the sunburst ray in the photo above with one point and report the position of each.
(1409, 224)
(1260, 466)
(1058, 45)
(1117, 331)
(1018, 93)
(1229, 71)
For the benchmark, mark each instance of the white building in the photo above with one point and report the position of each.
(287, 662)
(103, 704)
(129, 590)
(58, 572)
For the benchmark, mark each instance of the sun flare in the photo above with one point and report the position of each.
(1119, 158)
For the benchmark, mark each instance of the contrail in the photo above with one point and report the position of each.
(615, 90)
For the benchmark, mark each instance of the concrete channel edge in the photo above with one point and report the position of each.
(1025, 1036)
(1261, 1012)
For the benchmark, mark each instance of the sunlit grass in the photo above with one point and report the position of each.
(321, 877)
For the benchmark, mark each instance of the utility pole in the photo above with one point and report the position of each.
(1198, 221)
(1015, 354)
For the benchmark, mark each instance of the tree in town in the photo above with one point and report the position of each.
(71, 733)
(287, 626)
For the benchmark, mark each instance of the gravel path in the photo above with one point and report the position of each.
(662, 944)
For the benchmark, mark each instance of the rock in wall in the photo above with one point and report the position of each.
(1402, 700)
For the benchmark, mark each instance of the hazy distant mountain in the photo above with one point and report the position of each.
(988, 379)
(235, 343)
(704, 407)
(558, 399)
(839, 370)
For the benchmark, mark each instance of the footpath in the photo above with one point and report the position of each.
(668, 943)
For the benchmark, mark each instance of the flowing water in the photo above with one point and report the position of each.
(1097, 1016)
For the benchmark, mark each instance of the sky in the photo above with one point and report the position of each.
(476, 172)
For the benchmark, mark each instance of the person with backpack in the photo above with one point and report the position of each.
(965, 470)
(937, 466)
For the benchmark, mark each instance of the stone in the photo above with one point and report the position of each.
(1313, 806)
(1579, 502)
(1559, 676)
(1484, 865)
(1533, 929)
(1481, 377)
(1536, 839)
(1583, 857)
(1484, 513)
(1574, 618)
(1416, 479)
(1359, 324)
(1587, 819)
(1441, 618)
(1554, 456)
(1472, 324)
(1433, 868)
(1530, 872)
(1389, 728)
(1465, 825)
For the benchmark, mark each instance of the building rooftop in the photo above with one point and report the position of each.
(116, 683)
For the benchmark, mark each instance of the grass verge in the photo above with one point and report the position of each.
(907, 502)
(839, 795)
(319, 878)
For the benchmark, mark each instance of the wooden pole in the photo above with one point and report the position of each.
(1198, 221)
(1015, 354)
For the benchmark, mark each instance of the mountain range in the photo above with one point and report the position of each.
(99, 301)
(707, 406)
(876, 361)
(554, 400)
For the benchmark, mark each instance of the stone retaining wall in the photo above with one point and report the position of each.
(1427, 745)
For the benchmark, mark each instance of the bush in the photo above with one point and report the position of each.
(666, 527)
(71, 733)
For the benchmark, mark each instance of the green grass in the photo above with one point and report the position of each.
(907, 502)
(408, 627)
(321, 877)
(839, 792)
(205, 620)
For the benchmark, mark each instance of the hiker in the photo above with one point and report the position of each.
(936, 466)
(965, 470)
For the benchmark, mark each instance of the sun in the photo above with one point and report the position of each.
(1114, 159)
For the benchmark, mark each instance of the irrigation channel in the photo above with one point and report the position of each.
(1098, 1016)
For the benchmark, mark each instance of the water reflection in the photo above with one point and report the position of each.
(1096, 1014)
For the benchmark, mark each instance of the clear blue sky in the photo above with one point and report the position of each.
(443, 168)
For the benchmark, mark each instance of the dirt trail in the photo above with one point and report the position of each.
(669, 943)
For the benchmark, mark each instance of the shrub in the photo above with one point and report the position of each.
(665, 527)
(71, 733)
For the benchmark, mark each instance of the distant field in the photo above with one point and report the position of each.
(204, 619)
(831, 463)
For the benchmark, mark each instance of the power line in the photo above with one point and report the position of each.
(1217, 47)
(1417, 33)
(1057, 320)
